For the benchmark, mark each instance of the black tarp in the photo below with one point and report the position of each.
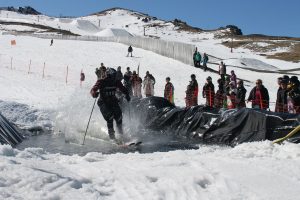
(8, 133)
(210, 125)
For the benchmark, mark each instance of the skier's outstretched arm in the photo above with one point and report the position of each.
(94, 91)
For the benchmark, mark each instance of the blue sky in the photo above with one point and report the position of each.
(271, 17)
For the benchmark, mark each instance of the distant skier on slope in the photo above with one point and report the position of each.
(130, 50)
(108, 102)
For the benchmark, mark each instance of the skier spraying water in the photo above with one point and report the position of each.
(108, 102)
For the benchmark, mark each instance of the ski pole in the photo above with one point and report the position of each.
(89, 121)
(129, 112)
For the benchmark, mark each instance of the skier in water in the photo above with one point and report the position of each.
(108, 102)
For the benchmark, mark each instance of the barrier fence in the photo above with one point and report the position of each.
(178, 51)
(38, 68)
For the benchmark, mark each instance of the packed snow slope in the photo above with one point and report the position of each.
(54, 100)
(251, 171)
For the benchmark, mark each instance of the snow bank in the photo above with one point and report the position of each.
(109, 32)
(249, 171)
(86, 26)
(251, 63)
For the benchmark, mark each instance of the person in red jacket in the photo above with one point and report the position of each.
(192, 92)
(209, 92)
(169, 91)
(108, 102)
(136, 81)
(259, 96)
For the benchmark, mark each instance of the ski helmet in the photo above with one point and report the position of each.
(111, 72)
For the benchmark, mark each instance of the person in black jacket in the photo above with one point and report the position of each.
(209, 92)
(130, 50)
(281, 101)
(294, 95)
(128, 81)
(241, 94)
(108, 102)
(119, 75)
(220, 94)
(278, 91)
(259, 96)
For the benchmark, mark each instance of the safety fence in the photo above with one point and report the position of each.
(178, 51)
(38, 68)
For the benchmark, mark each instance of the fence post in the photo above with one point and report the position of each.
(11, 63)
(67, 74)
(29, 67)
(44, 69)
(81, 79)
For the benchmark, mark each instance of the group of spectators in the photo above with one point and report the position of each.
(230, 92)
(132, 81)
(197, 58)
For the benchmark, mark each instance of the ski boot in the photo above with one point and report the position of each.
(111, 133)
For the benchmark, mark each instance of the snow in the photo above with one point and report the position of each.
(248, 171)
(258, 170)
(109, 32)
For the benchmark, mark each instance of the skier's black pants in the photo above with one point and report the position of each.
(111, 111)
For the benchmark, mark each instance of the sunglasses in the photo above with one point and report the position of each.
(258, 83)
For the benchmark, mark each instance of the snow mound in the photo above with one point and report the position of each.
(113, 32)
(65, 20)
(86, 26)
(251, 63)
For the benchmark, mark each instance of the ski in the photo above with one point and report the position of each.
(131, 144)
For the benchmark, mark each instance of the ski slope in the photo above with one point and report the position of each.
(250, 171)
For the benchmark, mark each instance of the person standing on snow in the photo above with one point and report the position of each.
(222, 71)
(136, 85)
(219, 97)
(231, 96)
(194, 56)
(240, 95)
(169, 91)
(205, 60)
(192, 92)
(51, 42)
(294, 95)
(119, 75)
(108, 102)
(130, 50)
(198, 59)
(128, 80)
(282, 95)
(209, 92)
(148, 86)
(233, 78)
(259, 96)
(151, 77)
